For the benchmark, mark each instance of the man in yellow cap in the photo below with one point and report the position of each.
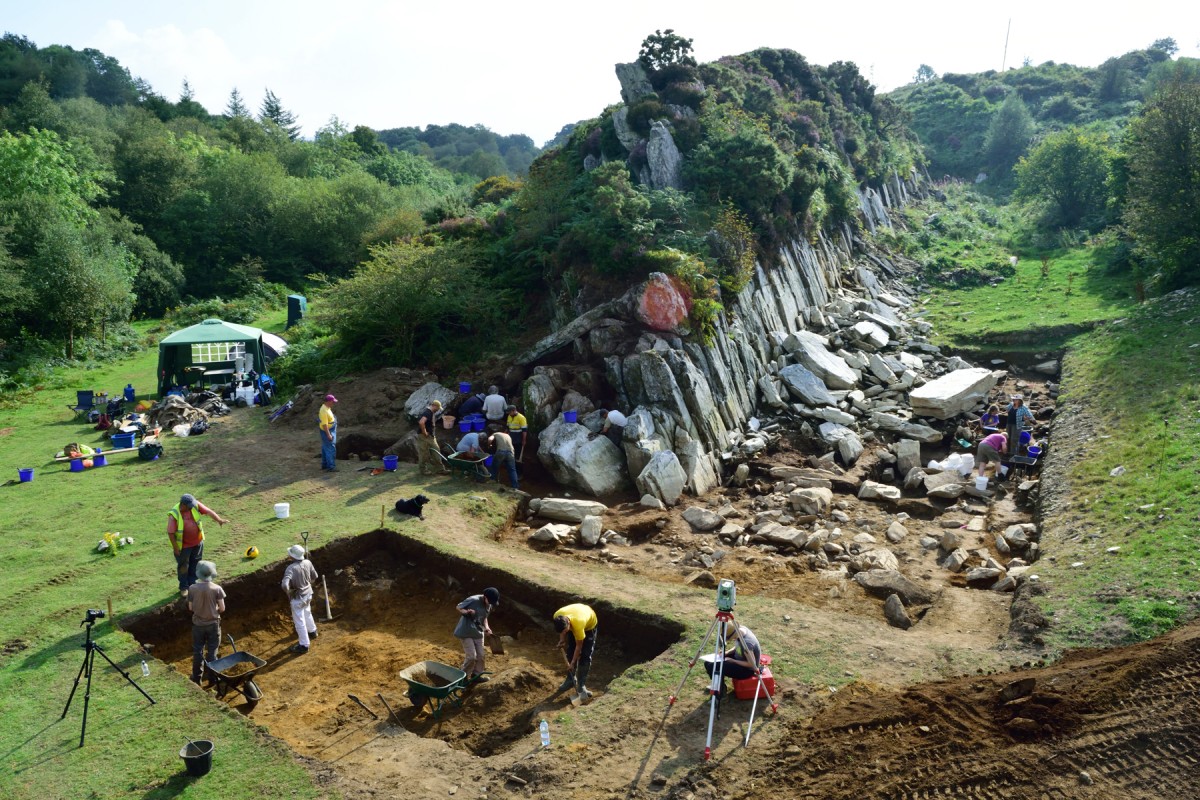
(427, 446)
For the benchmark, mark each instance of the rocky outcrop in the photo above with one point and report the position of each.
(635, 84)
(663, 158)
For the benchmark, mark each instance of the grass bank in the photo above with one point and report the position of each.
(1130, 419)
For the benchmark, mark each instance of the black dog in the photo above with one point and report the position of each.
(412, 507)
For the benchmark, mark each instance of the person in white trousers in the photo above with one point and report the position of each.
(298, 584)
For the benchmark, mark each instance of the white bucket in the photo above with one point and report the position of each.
(282, 510)
(980, 483)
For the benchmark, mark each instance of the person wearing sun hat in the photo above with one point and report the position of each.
(298, 581)
(473, 627)
(206, 601)
(327, 423)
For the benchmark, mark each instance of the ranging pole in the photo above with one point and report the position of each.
(1004, 58)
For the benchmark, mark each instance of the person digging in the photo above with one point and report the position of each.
(576, 627)
(298, 585)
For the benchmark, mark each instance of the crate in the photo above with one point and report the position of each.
(745, 688)
(122, 440)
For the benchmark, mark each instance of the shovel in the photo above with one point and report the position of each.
(495, 644)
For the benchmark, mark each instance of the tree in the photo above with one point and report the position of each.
(273, 111)
(665, 48)
(1163, 192)
(236, 107)
(925, 74)
(1068, 171)
(1166, 45)
(1008, 134)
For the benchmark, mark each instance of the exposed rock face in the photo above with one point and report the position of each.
(663, 478)
(422, 397)
(663, 158)
(952, 394)
(625, 134)
(594, 465)
(635, 84)
(663, 303)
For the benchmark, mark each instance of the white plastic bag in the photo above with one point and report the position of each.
(182, 429)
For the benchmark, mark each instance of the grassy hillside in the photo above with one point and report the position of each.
(1131, 405)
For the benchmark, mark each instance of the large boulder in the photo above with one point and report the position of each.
(594, 465)
(884, 582)
(811, 501)
(568, 509)
(663, 478)
(662, 303)
(805, 386)
(422, 397)
(812, 350)
(635, 83)
(540, 400)
(952, 394)
(663, 158)
(701, 519)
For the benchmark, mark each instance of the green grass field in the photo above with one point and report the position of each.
(52, 574)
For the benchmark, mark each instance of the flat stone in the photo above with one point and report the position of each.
(894, 613)
(883, 582)
(870, 490)
(953, 393)
(568, 509)
(806, 386)
(701, 519)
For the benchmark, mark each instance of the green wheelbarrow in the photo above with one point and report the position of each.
(434, 683)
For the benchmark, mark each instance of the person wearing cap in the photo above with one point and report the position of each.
(505, 457)
(185, 529)
(473, 627)
(576, 627)
(494, 405)
(1019, 417)
(206, 601)
(328, 427)
(427, 446)
(298, 581)
(518, 428)
(742, 655)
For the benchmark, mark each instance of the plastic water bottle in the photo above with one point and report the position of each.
(544, 729)
(145, 669)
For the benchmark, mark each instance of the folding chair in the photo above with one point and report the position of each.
(85, 401)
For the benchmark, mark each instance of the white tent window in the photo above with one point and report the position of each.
(213, 352)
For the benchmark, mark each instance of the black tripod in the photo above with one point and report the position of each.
(89, 657)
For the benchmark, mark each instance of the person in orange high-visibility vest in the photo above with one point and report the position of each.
(186, 532)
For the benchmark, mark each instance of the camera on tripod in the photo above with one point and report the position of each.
(726, 595)
(93, 614)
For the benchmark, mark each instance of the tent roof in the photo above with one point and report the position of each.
(274, 342)
(213, 330)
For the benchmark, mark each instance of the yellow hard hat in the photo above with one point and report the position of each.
(251, 552)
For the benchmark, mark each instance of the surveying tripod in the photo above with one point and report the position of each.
(726, 599)
(89, 657)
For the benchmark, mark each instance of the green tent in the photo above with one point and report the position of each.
(212, 351)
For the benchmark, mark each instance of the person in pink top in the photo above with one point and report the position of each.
(992, 448)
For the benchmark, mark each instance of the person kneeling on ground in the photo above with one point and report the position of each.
(206, 601)
(614, 425)
(472, 405)
(742, 659)
(298, 584)
(473, 627)
(991, 449)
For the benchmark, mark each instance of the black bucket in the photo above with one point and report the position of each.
(197, 757)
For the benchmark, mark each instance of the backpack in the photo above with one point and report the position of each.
(198, 427)
(148, 451)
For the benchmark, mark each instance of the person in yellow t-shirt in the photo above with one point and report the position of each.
(518, 428)
(328, 428)
(576, 627)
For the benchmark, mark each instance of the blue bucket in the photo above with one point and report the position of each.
(1034, 451)
(76, 465)
(570, 416)
(487, 462)
(99, 460)
(389, 463)
(26, 475)
(478, 424)
(465, 426)
(464, 387)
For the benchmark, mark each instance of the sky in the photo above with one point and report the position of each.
(530, 66)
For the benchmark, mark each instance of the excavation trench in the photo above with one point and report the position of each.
(393, 602)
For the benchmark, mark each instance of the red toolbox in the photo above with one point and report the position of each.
(745, 688)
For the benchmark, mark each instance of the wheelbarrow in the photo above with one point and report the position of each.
(236, 672)
(434, 683)
(469, 466)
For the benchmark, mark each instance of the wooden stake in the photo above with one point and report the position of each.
(110, 614)
(382, 511)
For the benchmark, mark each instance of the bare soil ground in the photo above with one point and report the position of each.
(914, 714)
